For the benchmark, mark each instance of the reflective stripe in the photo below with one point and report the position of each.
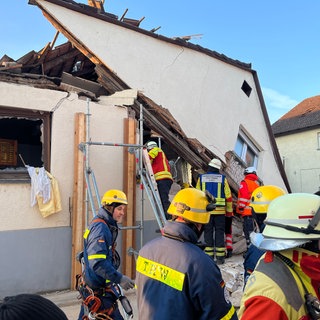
(119, 200)
(97, 256)
(160, 272)
(86, 233)
(260, 202)
(303, 221)
(163, 175)
(187, 208)
(230, 314)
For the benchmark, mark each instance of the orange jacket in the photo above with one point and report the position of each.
(247, 186)
(160, 164)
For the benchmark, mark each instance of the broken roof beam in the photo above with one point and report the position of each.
(178, 144)
(162, 113)
(96, 4)
(109, 80)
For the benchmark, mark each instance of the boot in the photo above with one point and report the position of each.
(229, 253)
(220, 260)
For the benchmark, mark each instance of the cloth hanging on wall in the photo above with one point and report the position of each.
(44, 191)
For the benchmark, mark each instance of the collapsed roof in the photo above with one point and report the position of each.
(71, 64)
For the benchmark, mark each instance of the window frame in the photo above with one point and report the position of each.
(45, 117)
(247, 144)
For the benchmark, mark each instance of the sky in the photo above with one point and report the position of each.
(280, 38)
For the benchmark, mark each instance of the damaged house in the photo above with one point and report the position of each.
(119, 85)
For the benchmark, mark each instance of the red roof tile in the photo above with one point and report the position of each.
(306, 106)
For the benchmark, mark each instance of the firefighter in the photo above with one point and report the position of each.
(162, 174)
(214, 232)
(247, 186)
(99, 289)
(285, 282)
(260, 200)
(175, 278)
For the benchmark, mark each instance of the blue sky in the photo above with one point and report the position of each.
(280, 38)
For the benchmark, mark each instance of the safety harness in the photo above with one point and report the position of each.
(90, 298)
(91, 302)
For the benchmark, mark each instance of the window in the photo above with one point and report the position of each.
(246, 150)
(24, 140)
(246, 88)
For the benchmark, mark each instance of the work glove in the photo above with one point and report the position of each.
(126, 283)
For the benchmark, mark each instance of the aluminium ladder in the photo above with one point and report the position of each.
(151, 187)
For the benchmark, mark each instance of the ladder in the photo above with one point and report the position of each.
(151, 187)
(147, 178)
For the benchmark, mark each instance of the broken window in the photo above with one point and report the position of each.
(24, 140)
(246, 150)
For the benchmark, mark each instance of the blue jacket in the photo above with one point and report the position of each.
(99, 250)
(177, 280)
(250, 261)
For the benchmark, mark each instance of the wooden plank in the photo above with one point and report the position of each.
(129, 235)
(78, 207)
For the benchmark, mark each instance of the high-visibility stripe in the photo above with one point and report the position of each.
(160, 272)
(97, 256)
(209, 251)
(299, 221)
(162, 175)
(86, 233)
(260, 202)
(230, 314)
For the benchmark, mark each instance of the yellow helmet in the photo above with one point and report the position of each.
(262, 196)
(193, 205)
(293, 216)
(114, 196)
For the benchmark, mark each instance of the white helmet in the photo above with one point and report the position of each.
(215, 163)
(151, 144)
(292, 219)
(250, 170)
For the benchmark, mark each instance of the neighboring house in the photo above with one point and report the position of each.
(113, 82)
(297, 134)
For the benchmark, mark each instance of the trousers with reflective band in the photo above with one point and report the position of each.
(160, 272)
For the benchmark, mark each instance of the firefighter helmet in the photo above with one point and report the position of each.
(193, 205)
(250, 170)
(215, 163)
(262, 196)
(151, 144)
(293, 216)
(114, 196)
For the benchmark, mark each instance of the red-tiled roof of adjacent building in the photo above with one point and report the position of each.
(304, 116)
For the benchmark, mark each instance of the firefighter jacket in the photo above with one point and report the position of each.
(176, 280)
(99, 251)
(218, 186)
(251, 259)
(276, 291)
(160, 164)
(247, 186)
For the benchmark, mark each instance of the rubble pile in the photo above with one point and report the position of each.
(232, 270)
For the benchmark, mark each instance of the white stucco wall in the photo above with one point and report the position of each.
(301, 155)
(203, 93)
(106, 125)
